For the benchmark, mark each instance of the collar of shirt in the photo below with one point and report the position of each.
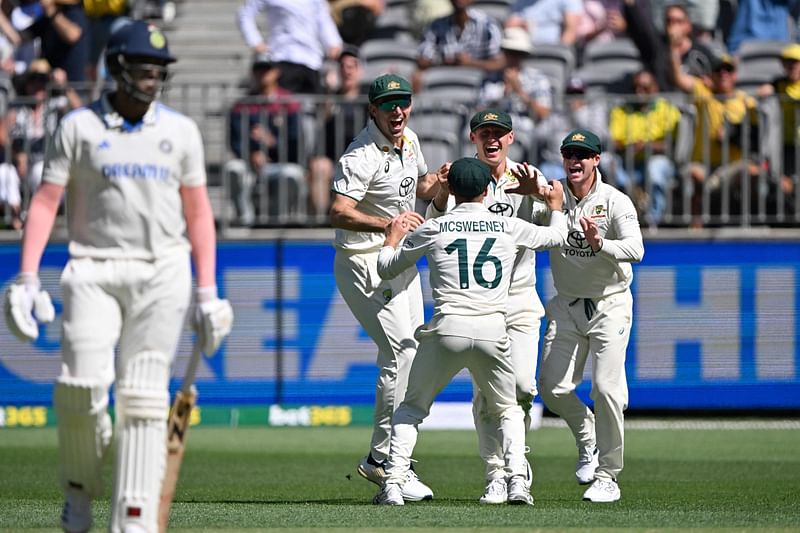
(381, 141)
(471, 207)
(114, 120)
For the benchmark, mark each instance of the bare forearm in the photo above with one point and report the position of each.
(201, 233)
(41, 217)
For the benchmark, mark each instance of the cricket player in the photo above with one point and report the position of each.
(137, 204)
(491, 131)
(379, 177)
(471, 254)
(591, 315)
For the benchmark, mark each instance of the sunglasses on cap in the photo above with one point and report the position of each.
(392, 104)
(576, 153)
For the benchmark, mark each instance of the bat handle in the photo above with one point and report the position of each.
(191, 368)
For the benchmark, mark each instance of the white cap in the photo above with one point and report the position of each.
(517, 40)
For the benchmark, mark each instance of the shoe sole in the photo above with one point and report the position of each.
(520, 502)
(365, 475)
(586, 482)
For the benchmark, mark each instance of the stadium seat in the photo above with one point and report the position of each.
(439, 147)
(498, 9)
(556, 61)
(621, 48)
(449, 83)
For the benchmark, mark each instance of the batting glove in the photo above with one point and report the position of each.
(27, 305)
(213, 319)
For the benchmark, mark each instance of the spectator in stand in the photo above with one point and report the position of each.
(787, 88)
(264, 132)
(423, 12)
(10, 197)
(104, 17)
(468, 37)
(34, 115)
(344, 118)
(600, 21)
(655, 49)
(761, 20)
(9, 41)
(724, 113)
(523, 91)
(63, 30)
(300, 35)
(582, 112)
(702, 13)
(547, 21)
(640, 131)
(355, 19)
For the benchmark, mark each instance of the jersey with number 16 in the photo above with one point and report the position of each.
(471, 256)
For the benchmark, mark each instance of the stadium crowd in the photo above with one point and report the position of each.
(694, 100)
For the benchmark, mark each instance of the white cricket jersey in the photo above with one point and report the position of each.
(381, 178)
(578, 272)
(500, 202)
(123, 179)
(471, 254)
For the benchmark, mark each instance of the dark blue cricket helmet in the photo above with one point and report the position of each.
(139, 39)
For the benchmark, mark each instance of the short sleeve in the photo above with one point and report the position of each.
(60, 152)
(352, 177)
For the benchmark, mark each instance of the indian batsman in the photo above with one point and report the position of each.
(471, 254)
(491, 131)
(591, 314)
(135, 179)
(378, 178)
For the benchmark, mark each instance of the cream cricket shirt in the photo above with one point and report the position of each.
(578, 272)
(122, 180)
(471, 254)
(498, 201)
(381, 178)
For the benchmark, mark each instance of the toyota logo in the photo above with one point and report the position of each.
(406, 185)
(504, 210)
(576, 239)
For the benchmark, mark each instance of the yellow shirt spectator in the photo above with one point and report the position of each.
(631, 124)
(712, 116)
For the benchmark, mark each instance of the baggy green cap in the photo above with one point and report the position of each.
(582, 138)
(495, 117)
(469, 177)
(389, 85)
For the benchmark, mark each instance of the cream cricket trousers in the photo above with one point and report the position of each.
(139, 305)
(438, 360)
(390, 311)
(523, 332)
(579, 328)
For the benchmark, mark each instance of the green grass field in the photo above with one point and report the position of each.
(305, 479)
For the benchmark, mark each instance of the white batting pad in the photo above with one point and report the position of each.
(84, 433)
(142, 397)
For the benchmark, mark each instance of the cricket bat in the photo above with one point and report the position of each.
(177, 427)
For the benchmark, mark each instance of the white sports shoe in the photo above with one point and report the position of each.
(496, 492)
(602, 490)
(415, 490)
(390, 494)
(586, 465)
(76, 516)
(518, 491)
(370, 472)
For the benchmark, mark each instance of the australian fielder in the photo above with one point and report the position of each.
(471, 254)
(135, 177)
(378, 178)
(491, 131)
(591, 315)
